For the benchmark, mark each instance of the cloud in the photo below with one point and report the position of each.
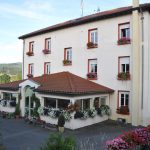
(11, 52)
(29, 9)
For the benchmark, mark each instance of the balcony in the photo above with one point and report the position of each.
(123, 76)
(46, 51)
(67, 62)
(30, 53)
(92, 76)
(123, 110)
(91, 45)
(123, 41)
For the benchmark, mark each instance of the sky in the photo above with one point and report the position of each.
(18, 17)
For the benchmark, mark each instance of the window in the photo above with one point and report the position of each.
(47, 66)
(67, 56)
(31, 69)
(123, 99)
(124, 64)
(49, 102)
(124, 33)
(48, 44)
(31, 47)
(92, 66)
(63, 104)
(93, 36)
(99, 101)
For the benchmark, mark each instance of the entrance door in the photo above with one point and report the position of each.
(28, 107)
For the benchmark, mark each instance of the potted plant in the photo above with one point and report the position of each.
(46, 51)
(30, 53)
(67, 62)
(61, 123)
(92, 75)
(91, 45)
(17, 111)
(124, 40)
(29, 75)
(124, 76)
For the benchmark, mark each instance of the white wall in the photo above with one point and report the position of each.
(146, 89)
(107, 53)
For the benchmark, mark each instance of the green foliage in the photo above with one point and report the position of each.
(4, 78)
(37, 105)
(58, 142)
(61, 120)
(17, 110)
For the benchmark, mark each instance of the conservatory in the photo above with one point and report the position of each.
(81, 101)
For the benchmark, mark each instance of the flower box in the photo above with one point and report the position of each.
(124, 110)
(124, 76)
(123, 41)
(92, 76)
(92, 45)
(46, 51)
(30, 53)
(29, 75)
(67, 62)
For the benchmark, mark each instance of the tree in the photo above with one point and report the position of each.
(5, 78)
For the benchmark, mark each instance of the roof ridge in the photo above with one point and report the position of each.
(70, 81)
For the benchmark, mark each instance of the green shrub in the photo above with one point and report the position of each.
(58, 142)
(61, 120)
(17, 110)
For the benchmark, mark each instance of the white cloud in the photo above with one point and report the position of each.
(11, 52)
(30, 9)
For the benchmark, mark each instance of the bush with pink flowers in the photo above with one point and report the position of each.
(130, 140)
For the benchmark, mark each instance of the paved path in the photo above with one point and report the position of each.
(18, 135)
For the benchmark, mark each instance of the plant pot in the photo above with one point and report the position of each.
(61, 129)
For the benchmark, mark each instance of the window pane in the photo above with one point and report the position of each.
(50, 103)
(86, 103)
(103, 101)
(123, 67)
(63, 104)
(127, 68)
(126, 99)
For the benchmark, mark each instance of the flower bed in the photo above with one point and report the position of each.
(54, 113)
(131, 140)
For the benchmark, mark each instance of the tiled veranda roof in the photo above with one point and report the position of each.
(62, 83)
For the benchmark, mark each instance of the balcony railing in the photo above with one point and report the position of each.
(46, 51)
(92, 45)
(92, 76)
(67, 62)
(123, 76)
(124, 110)
(30, 53)
(123, 41)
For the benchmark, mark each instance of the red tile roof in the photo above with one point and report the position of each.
(12, 86)
(62, 83)
(90, 18)
(68, 83)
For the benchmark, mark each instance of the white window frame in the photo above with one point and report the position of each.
(94, 36)
(124, 93)
(68, 54)
(31, 69)
(47, 68)
(92, 64)
(125, 26)
(48, 43)
(31, 46)
(124, 61)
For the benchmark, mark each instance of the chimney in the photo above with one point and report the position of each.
(136, 67)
